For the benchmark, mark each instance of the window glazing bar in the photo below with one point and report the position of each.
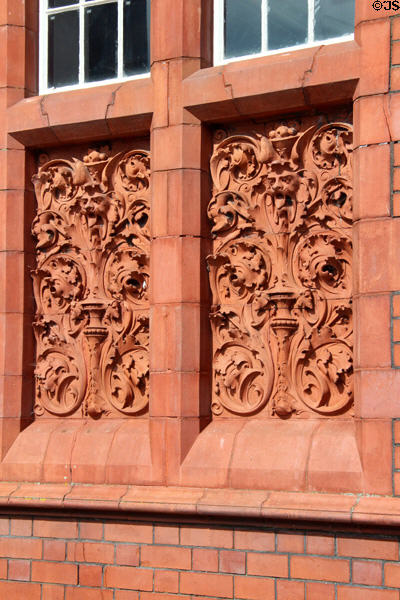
(60, 9)
(219, 31)
(43, 45)
(264, 25)
(121, 33)
(311, 20)
(81, 43)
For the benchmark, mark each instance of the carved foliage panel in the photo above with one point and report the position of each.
(91, 285)
(280, 272)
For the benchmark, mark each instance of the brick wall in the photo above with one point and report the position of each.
(48, 559)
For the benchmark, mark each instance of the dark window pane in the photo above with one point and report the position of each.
(242, 27)
(101, 38)
(58, 3)
(63, 60)
(333, 18)
(136, 36)
(287, 23)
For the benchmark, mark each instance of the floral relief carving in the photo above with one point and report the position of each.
(280, 272)
(91, 285)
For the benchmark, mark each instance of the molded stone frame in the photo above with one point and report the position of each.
(179, 106)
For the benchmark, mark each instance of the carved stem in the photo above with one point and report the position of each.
(283, 326)
(95, 333)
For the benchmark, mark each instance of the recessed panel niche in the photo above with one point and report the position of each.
(281, 270)
(91, 285)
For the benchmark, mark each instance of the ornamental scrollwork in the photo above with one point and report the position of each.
(280, 271)
(91, 285)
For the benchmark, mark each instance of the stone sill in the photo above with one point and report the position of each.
(292, 81)
(128, 501)
(112, 110)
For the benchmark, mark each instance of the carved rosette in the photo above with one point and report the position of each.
(91, 285)
(280, 272)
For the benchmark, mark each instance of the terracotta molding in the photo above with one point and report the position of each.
(74, 116)
(124, 501)
(281, 83)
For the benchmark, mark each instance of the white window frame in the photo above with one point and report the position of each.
(79, 6)
(219, 38)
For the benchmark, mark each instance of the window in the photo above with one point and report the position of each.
(253, 27)
(88, 41)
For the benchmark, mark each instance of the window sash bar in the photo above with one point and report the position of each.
(43, 46)
(311, 20)
(264, 25)
(81, 76)
(121, 33)
(76, 6)
(219, 31)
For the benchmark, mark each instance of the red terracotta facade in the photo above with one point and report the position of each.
(146, 452)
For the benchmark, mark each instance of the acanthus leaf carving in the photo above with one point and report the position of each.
(91, 284)
(280, 272)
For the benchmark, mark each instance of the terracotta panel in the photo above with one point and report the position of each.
(372, 347)
(376, 244)
(372, 182)
(374, 439)
(175, 41)
(129, 459)
(131, 108)
(160, 77)
(373, 120)
(57, 461)
(181, 282)
(367, 12)
(91, 450)
(374, 72)
(377, 390)
(396, 28)
(12, 70)
(24, 460)
(178, 71)
(185, 394)
(253, 466)
(178, 213)
(208, 461)
(334, 463)
(169, 322)
(183, 142)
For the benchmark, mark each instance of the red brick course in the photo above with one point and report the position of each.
(264, 563)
